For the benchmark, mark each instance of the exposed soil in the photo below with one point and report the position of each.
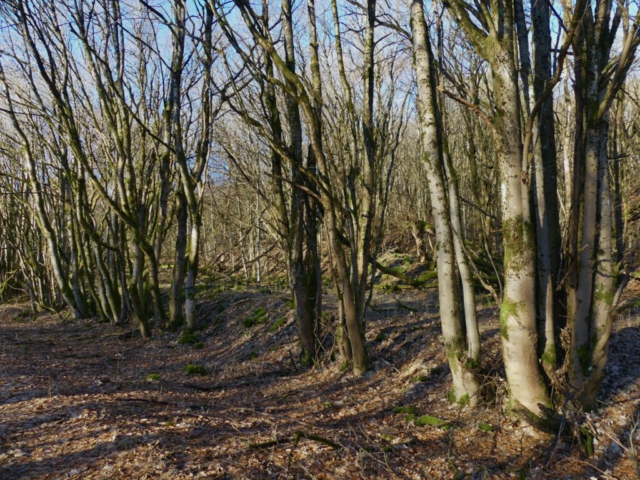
(76, 402)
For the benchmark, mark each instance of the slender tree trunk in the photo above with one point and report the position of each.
(604, 281)
(465, 386)
(306, 316)
(546, 186)
(518, 325)
(176, 318)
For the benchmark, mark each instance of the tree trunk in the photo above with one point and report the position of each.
(465, 386)
(176, 318)
(546, 186)
(518, 325)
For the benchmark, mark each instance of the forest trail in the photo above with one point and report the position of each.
(79, 399)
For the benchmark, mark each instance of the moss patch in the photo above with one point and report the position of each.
(428, 420)
(258, 317)
(519, 243)
(277, 324)
(604, 295)
(195, 370)
(549, 357)
(405, 409)
(509, 308)
(584, 356)
(485, 427)
(188, 339)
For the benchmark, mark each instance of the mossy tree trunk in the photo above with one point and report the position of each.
(518, 326)
(592, 286)
(465, 386)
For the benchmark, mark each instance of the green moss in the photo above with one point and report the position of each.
(387, 288)
(549, 357)
(405, 409)
(258, 317)
(345, 366)
(195, 370)
(509, 308)
(420, 378)
(188, 338)
(289, 304)
(253, 355)
(428, 420)
(306, 360)
(519, 243)
(395, 271)
(451, 395)
(380, 337)
(473, 365)
(485, 427)
(277, 324)
(584, 356)
(422, 226)
(428, 275)
(464, 399)
(218, 290)
(198, 345)
(455, 348)
(152, 377)
(604, 295)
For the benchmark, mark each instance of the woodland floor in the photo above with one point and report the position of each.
(75, 402)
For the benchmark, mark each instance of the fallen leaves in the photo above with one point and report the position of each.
(89, 404)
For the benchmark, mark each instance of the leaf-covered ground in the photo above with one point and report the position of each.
(80, 399)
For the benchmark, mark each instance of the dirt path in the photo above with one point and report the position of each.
(76, 402)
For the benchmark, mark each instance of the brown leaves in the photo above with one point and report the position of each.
(95, 415)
